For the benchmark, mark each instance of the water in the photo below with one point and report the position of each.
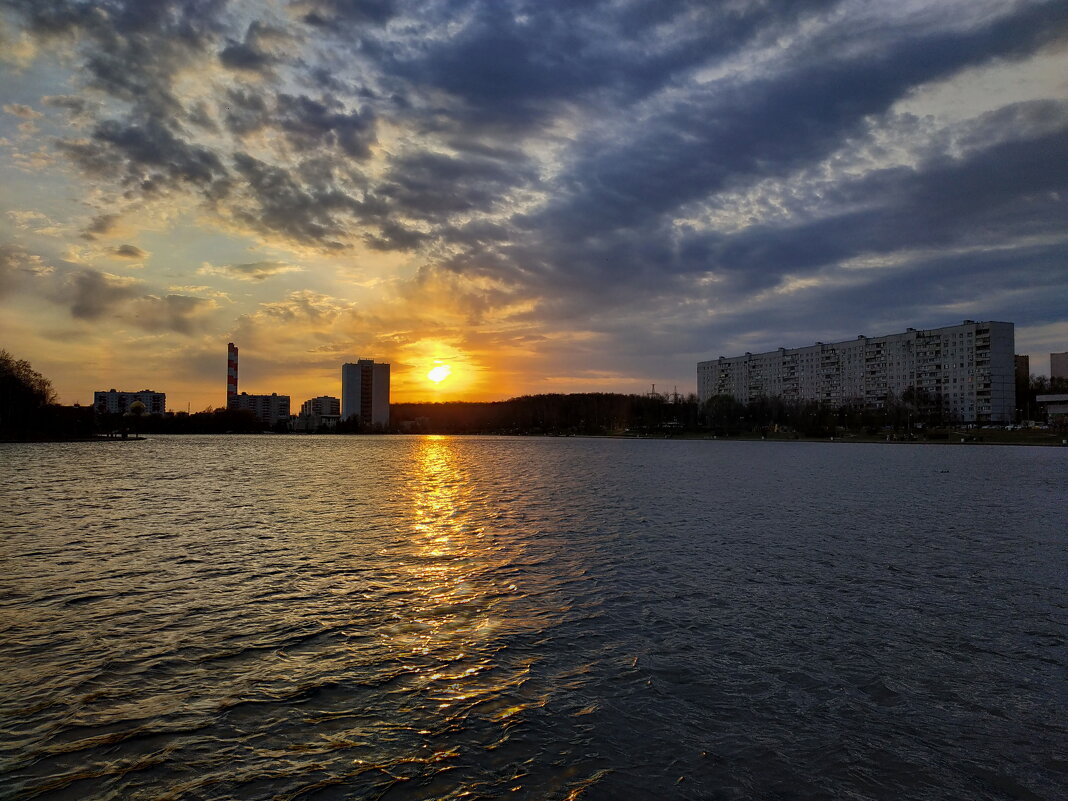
(417, 618)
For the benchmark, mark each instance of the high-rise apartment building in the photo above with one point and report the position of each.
(1058, 365)
(365, 392)
(318, 414)
(323, 405)
(115, 402)
(270, 409)
(1023, 369)
(967, 369)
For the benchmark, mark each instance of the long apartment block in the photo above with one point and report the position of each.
(967, 368)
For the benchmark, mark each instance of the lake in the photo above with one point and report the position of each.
(534, 618)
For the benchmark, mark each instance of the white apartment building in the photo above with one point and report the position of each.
(116, 402)
(323, 405)
(270, 409)
(319, 413)
(365, 392)
(968, 368)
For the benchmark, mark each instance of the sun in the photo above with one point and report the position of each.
(439, 373)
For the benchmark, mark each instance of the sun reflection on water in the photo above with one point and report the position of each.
(447, 572)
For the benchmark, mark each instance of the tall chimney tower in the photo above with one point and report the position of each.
(231, 371)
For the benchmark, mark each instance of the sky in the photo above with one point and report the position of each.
(545, 196)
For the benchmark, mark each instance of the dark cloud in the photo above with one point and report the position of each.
(251, 271)
(100, 224)
(146, 158)
(245, 111)
(433, 186)
(741, 132)
(129, 252)
(392, 236)
(132, 49)
(311, 123)
(96, 296)
(150, 147)
(512, 65)
(239, 56)
(72, 103)
(251, 54)
(1012, 190)
(278, 202)
(181, 314)
(307, 123)
(332, 13)
(91, 294)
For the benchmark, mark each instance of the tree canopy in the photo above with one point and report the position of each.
(25, 396)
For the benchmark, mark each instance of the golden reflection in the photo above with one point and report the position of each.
(461, 605)
(447, 565)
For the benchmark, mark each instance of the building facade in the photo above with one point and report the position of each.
(270, 409)
(1058, 365)
(323, 405)
(1055, 406)
(365, 392)
(319, 414)
(1023, 370)
(115, 402)
(967, 370)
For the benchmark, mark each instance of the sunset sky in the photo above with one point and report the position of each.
(545, 196)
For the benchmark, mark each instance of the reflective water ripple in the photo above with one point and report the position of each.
(479, 618)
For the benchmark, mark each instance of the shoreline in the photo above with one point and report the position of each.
(98, 438)
(1002, 438)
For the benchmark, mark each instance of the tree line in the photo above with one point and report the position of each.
(576, 413)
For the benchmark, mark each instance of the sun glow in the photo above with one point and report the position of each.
(439, 373)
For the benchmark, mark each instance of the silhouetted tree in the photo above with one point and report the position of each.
(723, 414)
(25, 398)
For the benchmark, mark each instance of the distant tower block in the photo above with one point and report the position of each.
(231, 370)
(365, 392)
(1058, 365)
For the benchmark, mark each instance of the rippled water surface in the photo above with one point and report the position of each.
(423, 618)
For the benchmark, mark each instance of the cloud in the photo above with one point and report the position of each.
(277, 200)
(332, 13)
(476, 183)
(129, 252)
(180, 314)
(251, 271)
(107, 300)
(100, 224)
(22, 111)
(75, 104)
(311, 307)
(133, 50)
(625, 178)
(16, 264)
(325, 122)
(90, 294)
(29, 220)
(252, 54)
(146, 157)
